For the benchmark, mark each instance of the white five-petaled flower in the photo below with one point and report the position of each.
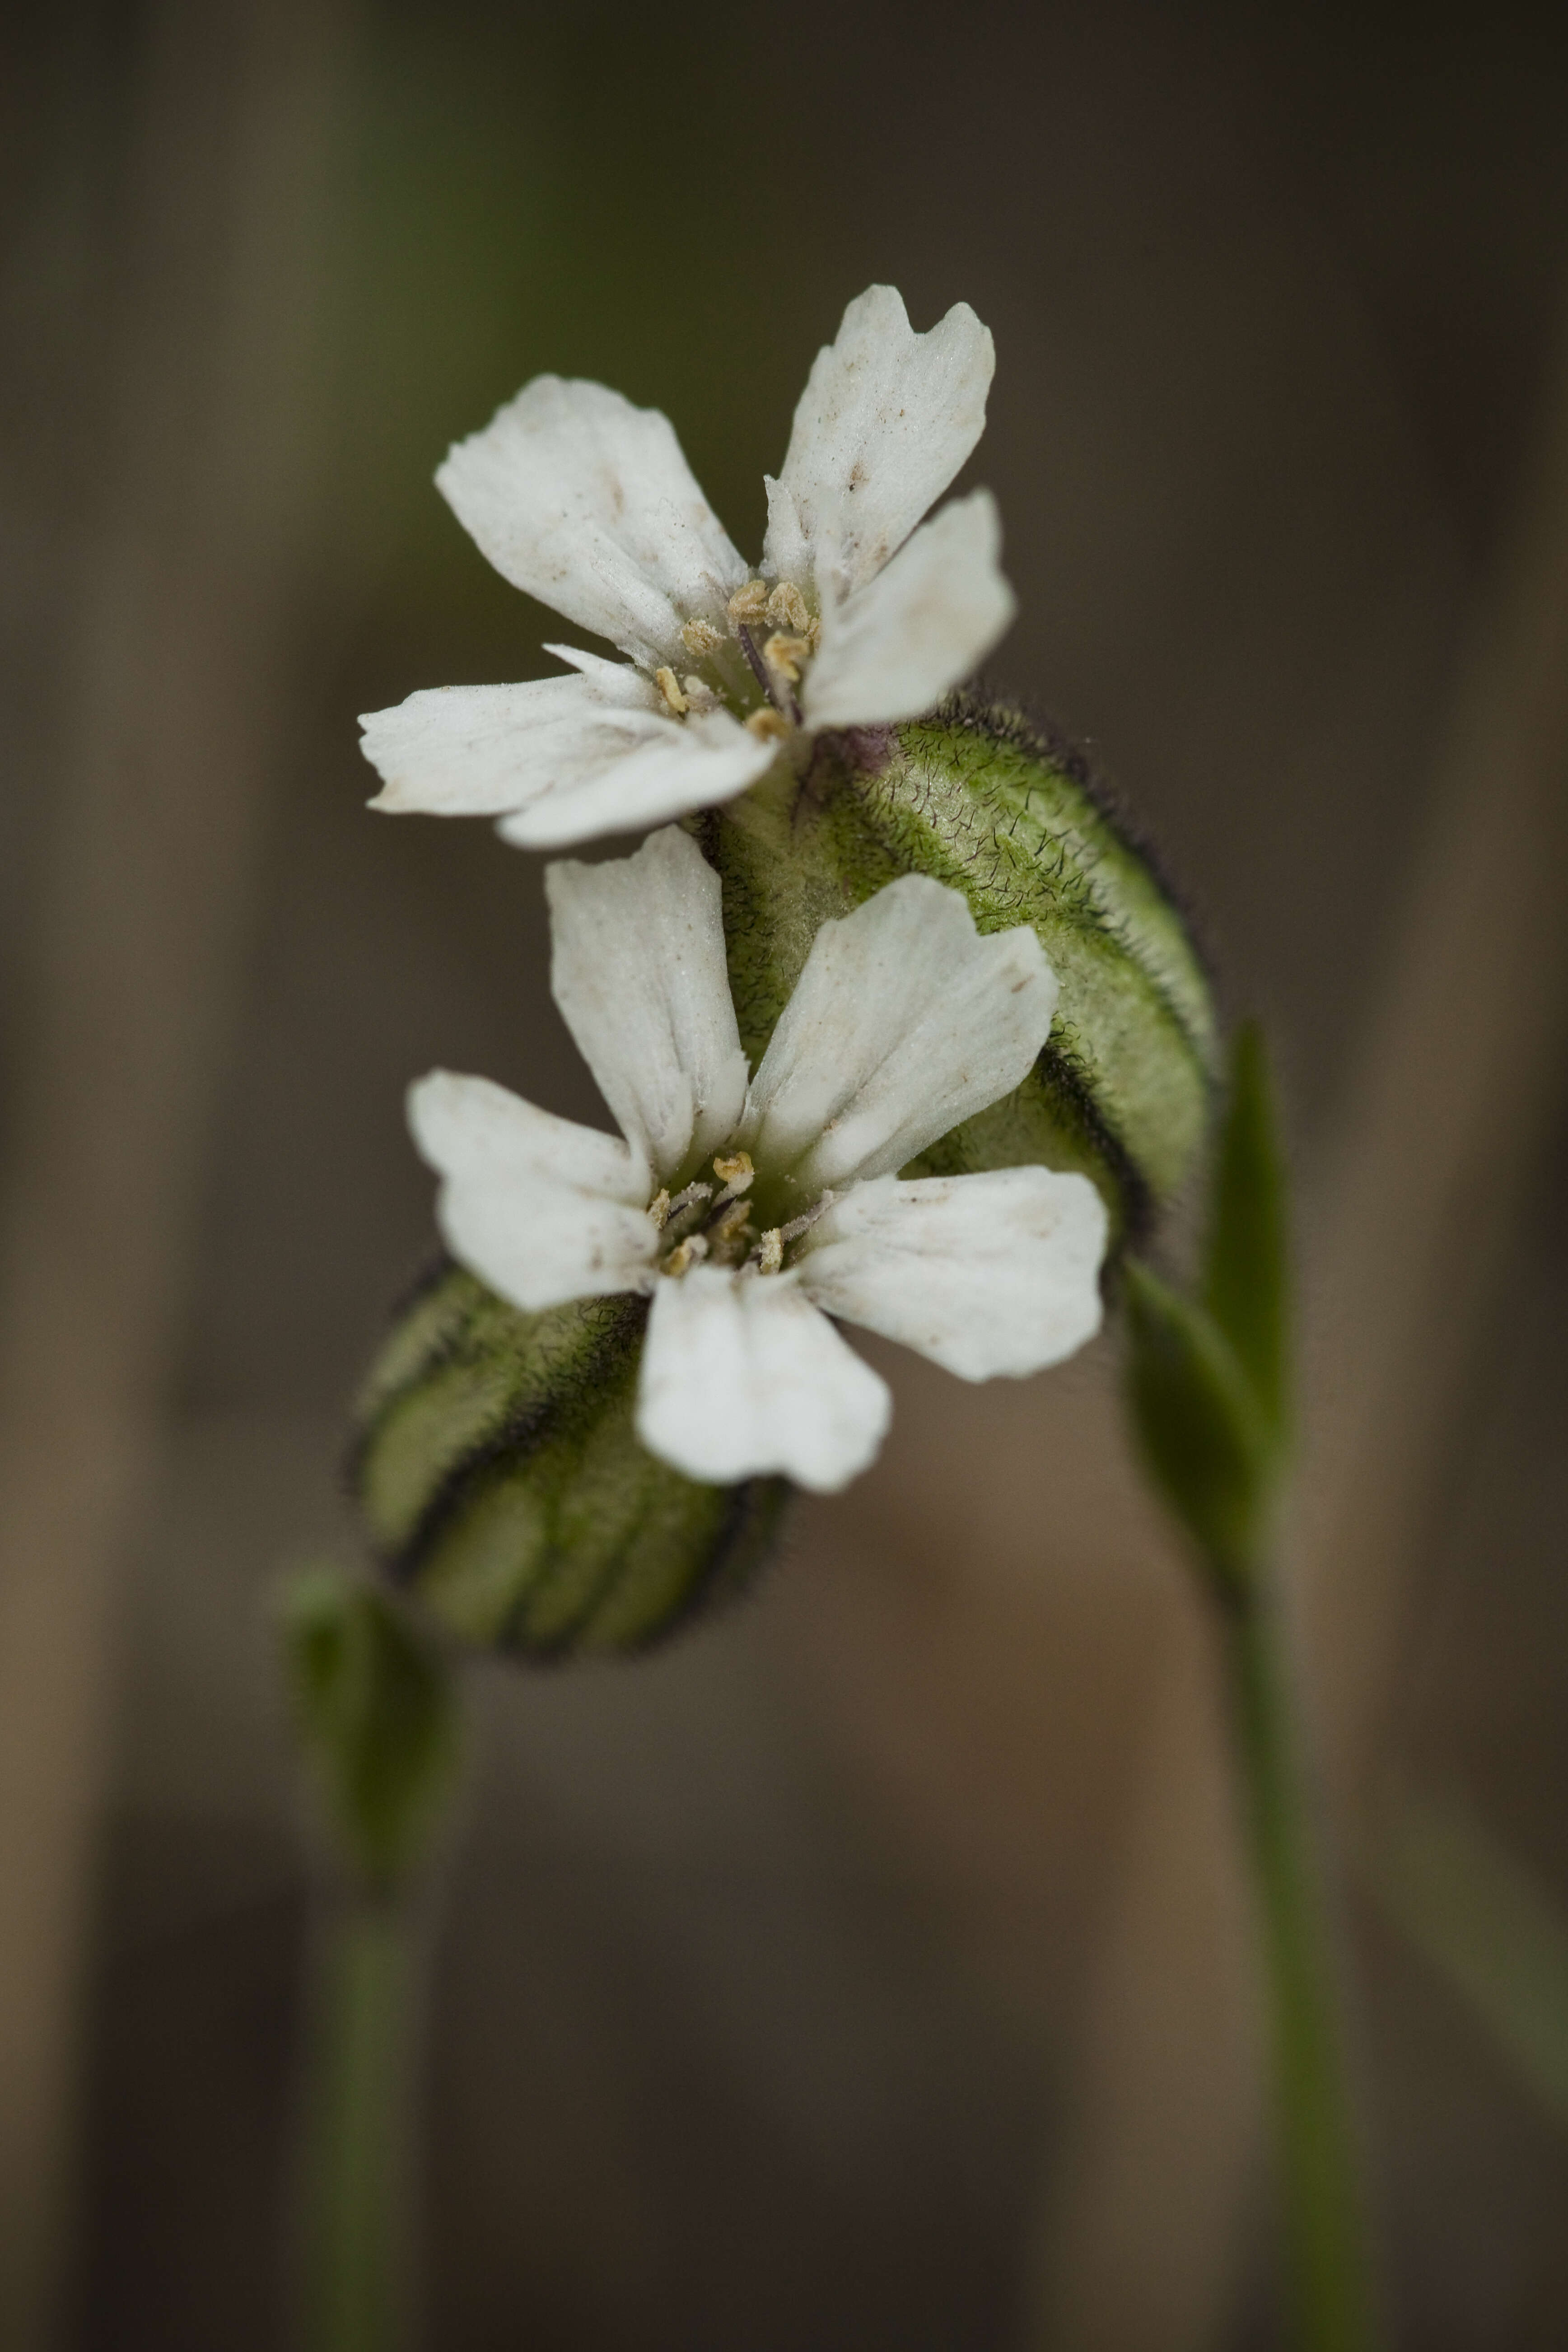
(753, 1211)
(857, 617)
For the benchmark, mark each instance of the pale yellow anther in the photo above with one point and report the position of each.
(750, 602)
(771, 1260)
(686, 1255)
(785, 656)
(734, 1171)
(669, 685)
(658, 1208)
(786, 608)
(701, 638)
(731, 1225)
(812, 632)
(768, 724)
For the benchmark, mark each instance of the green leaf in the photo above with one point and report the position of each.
(1208, 1446)
(1245, 1287)
(377, 1710)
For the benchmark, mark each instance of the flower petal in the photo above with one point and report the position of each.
(588, 504)
(885, 422)
(903, 1022)
(541, 1209)
(742, 1378)
(986, 1275)
(898, 645)
(486, 751)
(679, 764)
(639, 974)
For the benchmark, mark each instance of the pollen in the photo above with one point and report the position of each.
(786, 608)
(750, 602)
(669, 685)
(734, 1171)
(658, 1208)
(701, 638)
(769, 724)
(785, 656)
(770, 1258)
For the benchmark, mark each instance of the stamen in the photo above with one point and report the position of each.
(701, 638)
(690, 1198)
(686, 1255)
(658, 1208)
(770, 1256)
(669, 685)
(786, 608)
(701, 695)
(750, 602)
(768, 723)
(730, 1228)
(734, 1171)
(785, 656)
(798, 1226)
(758, 667)
(812, 632)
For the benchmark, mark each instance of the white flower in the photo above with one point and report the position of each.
(857, 618)
(751, 1213)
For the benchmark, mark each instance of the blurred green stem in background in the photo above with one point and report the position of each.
(356, 2186)
(1208, 1388)
(376, 1706)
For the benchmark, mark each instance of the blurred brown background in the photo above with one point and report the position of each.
(867, 1971)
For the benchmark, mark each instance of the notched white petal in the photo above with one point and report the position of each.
(541, 1209)
(885, 422)
(588, 503)
(896, 646)
(488, 751)
(744, 1378)
(638, 967)
(903, 1022)
(675, 766)
(988, 1274)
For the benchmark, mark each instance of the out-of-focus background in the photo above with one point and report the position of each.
(870, 1969)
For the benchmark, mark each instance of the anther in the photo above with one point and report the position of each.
(769, 1257)
(699, 696)
(658, 1208)
(770, 724)
(750, 602)
(786, 608)
(686, 1255)
(734, 1171)
(785, 656)
(669, 685)
(701, 638)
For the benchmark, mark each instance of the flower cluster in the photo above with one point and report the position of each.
(753, 1209)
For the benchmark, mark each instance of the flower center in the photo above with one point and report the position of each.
(772, 636)
(705, 1222)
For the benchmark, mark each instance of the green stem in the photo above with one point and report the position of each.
(1330, 2269)
(357, 2169)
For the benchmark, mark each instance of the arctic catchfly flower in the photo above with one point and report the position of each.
(752, 1210)
(860, 615)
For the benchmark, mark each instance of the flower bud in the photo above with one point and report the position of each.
(1011, 817)
(500, 1477)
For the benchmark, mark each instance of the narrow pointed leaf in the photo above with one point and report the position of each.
(1207, 1445)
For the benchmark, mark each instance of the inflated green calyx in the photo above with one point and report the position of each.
(979, 798)
(500, 1477)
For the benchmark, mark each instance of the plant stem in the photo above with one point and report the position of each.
(356, 2183)
(1329, 2270)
